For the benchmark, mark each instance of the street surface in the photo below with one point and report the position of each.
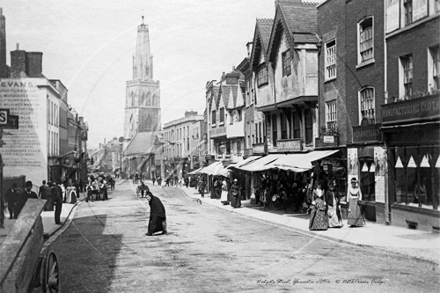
(211, 250)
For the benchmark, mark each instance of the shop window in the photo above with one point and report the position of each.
(283, 126)
(366, 42)
(274, 130)
(434, 69)
(330, 115)
(367, 180)
(415, 184)
(330, 60)
(309, 126)
(286, 63)
(262, 75)
(367, 102)
(406, 84)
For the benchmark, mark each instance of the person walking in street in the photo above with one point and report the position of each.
(225, 192)
(142, 190)
(355, 217)
(235, 194)
(333, 206)
(27, 193)
(44, 193)
(2, 211)
(158, 219)
(103, 188)
(57, 196)
(11, 198)
(186, 180)
(167, 181)
(159, 181)
(201, 187)
(154, 180)
(318, 215)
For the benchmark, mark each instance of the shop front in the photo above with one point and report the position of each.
(411, 131)
(366, 161)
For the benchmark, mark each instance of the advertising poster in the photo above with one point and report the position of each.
(380, 163)
(25, 149)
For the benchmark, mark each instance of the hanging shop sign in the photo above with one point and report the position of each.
(367, 133)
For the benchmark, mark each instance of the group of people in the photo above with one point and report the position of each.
(15, 199)
(97, 187)
(228, 191)
(325, 208)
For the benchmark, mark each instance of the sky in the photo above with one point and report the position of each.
(89, 44)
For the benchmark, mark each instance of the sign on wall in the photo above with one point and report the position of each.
(380, 165)
(25, 149)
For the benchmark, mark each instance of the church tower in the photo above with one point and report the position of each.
(142, 106)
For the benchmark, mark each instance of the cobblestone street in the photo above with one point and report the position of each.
(210, 250)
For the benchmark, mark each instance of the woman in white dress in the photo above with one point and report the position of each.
(333, 206)
(225, 192)
(354, 196)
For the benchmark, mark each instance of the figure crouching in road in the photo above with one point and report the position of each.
(157, 221)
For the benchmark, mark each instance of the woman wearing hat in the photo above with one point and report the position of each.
(333, 206)
(354, 195)
(318, 215)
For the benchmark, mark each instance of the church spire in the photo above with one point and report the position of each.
(143, 61)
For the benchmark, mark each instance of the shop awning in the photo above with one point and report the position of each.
(215, 168)
(243, 163)
(194, 172)
(260, 163)
(299, 162)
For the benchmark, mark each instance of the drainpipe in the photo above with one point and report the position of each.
(385, 87)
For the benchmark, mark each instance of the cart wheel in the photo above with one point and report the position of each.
(51, 274)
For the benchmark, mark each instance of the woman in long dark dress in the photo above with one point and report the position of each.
(333, 206)
(235, 195)
(157, 221)
(354, 196)
(318, 215)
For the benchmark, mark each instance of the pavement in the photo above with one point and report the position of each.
(413, 243)
(48, 218)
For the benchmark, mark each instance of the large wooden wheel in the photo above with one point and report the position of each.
(51, 274)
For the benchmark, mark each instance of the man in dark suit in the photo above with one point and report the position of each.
(11, 197)
(27, 193)
(57, 197)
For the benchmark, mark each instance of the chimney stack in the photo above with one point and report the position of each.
(18, 63)
(34, 64)
(3, 67)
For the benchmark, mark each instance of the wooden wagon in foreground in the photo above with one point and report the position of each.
(26, 261)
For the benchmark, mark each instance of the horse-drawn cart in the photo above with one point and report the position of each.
(26, 261)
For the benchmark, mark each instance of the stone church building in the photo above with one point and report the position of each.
(142, 110)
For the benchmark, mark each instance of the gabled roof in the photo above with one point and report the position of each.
(142, 143)
(263, 28)
(298, 20)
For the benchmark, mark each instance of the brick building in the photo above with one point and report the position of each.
(411, 116)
